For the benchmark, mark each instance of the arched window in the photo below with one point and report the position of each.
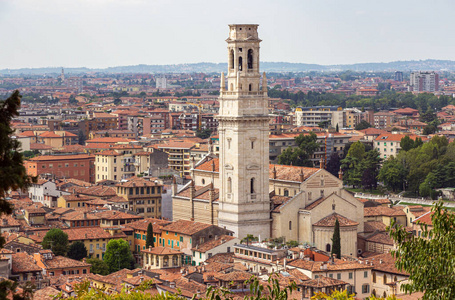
(231, 59)
(385, 295)
(373, 292)
(203, 181)
(384, 280)
(374, 277)
(395, 279)
(249, 87)
(252, 145)
(252, 185)
(328, 248)
(290, 225)
(229, 185)
(240, 63)
(250, 59)
(286, 193)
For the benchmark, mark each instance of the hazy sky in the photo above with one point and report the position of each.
(102, 33)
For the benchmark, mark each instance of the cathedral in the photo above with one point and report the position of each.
(241, 191)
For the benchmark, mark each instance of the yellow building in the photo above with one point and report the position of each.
(161, 258)
(34, 215)
(117, 163)
(72, 201)
(144, 196)
(95, 239)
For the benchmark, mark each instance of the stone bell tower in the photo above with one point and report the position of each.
(243, 132)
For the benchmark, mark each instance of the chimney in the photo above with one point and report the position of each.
(141, 279)
(174, 186)
(84, 260)
(192, 190)
(301, 176)
(211, 192)
(380, 261)
(340, 174)
(321, 163)
(198, 293)
(274, 172)
(216, 237)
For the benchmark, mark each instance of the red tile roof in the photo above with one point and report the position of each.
(330, 220)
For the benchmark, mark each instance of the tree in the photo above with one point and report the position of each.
(203, 134)
(98, 266)
(72, 100)
(428, 258)
(357, 150)
(77, 250)
(117, 101)
(362, 125)
(337, 129)
(370, 169)
(81, 137)
(429, 129)
(149, 240)
(392, 174)
(336, 240)
(406, 143)
(118, 255)
(333, 165)
(13, 174)
(56, 240)
(301, 155)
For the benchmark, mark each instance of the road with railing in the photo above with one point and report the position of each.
(399, 199)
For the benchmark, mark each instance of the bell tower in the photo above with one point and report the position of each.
(244, 135)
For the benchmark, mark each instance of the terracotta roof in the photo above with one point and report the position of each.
(209, 245)
(373, 226)
(388, 137)
(322, 282)
(385, 263)
(315, 203)
(37, 146)
(60, 157)
(49, 134)
(425, 219)
(161, 251)
(315, 266)
(79, 234)
(46, 293)
(157, 224)
(290, 173)
(384, 211)
(330, 220)
(380, 238)
(22, 262)
(108, 140)
(61, 262)
(235, 276)
(137, 182)
(373, 131)
(98, 190)
(108, 153)
(186, 227)
(116, 215)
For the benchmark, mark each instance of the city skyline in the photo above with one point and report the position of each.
(106, 33)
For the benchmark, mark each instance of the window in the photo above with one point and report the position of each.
(365, 288)
(290, 225)
(252, 145)
(374, 277)
(365, 274)
(350, 275)
(338, 276)
(250, 59)
(252, 185)
(328, 247)
(240, 63)
(229, 185)
(331, 275)
(384, 279)
(333, 206)
(286, 193)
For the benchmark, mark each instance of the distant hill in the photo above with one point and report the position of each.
(406, 66)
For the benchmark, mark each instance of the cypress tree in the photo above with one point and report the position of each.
(336, 240)
(149, 240)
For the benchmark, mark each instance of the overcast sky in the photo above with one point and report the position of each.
(103, 33)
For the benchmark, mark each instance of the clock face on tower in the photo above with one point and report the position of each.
(243, 131)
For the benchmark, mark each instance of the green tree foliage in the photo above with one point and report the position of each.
(56, 240)
(333, 165)
(203, 134)
(77, 250)
(73, 100)
(362, 125)
(117, 101)
(10, 290)
(98, 266)
(407, 143)
(149, 240)
(428, 259)
(249, 238)
(357, 150)
(118, 255)
(336, 240)
(429, 129)
(392, 174)
(12, 171)
(301, 155)
(370, 169)
(81, 137)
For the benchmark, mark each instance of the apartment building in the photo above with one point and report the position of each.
(144, 196)
(383, 119)
(389, 144)
(352, 117)
(116, 163)
(81, 166)
(424, 81)
(312, 116)
(179, 158)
